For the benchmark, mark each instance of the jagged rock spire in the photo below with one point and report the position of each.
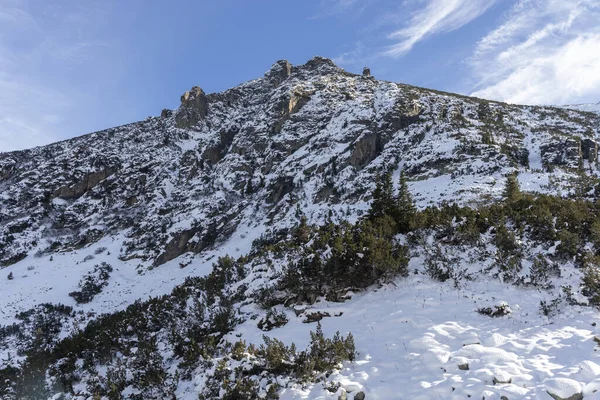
(193, 108)
(279, 72)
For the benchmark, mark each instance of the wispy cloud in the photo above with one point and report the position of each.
(434, 17)
(545, 52)
(328, 8)
(41, 48)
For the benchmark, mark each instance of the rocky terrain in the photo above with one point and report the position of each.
(133, 211)
(310, 137)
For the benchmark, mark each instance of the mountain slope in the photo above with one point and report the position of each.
(588, 107)
(311, 136)
(161, 199)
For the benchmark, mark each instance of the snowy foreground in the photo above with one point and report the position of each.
(416, 338)
(419, 339)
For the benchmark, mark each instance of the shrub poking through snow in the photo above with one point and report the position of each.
(500, 310)
(273, 319)
(92, 284)
(272, 361)
(591, 285)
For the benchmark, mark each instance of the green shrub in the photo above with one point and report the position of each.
(591, 285)
(569, 244)
(92, 284)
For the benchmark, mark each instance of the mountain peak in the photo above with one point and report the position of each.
(279, 71)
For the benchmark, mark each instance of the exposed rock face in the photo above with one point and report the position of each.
(280, 188)
(589, 150)
(365, 150)
(177, 246)
(193, 108)
(322, 65)
(279, 72)
(216, 152)
(88, 182)
(6, 172)
(562, 152)
(290, 105)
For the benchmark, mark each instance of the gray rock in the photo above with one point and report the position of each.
(561, 152)
(166, 113)
(589, 150)
(359, 396)
(193, 108)
(365, 150)
(88, 182)
(576, 396)
(279, 72)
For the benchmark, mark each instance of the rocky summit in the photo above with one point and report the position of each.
(99, 226)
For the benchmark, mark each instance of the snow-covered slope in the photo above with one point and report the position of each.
(159, 200)
(310, 137)
(588, 107)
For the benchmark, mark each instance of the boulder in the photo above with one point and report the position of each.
(178, 245)
(359, 396)
(315, 317)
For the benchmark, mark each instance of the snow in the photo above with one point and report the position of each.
(50, 281)
(412, 336)
(562, 387)
(589, 107)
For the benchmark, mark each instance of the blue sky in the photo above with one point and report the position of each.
(70, 67)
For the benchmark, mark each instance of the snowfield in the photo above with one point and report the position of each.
(588, 107)
(419, 340)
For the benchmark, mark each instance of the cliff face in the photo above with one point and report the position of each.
(305, 139)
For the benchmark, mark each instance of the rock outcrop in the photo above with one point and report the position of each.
(279, 72)
(193, 108)
(86, 184)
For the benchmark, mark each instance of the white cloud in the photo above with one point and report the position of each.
(545, 52)
(435, 17)
(328, 8)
